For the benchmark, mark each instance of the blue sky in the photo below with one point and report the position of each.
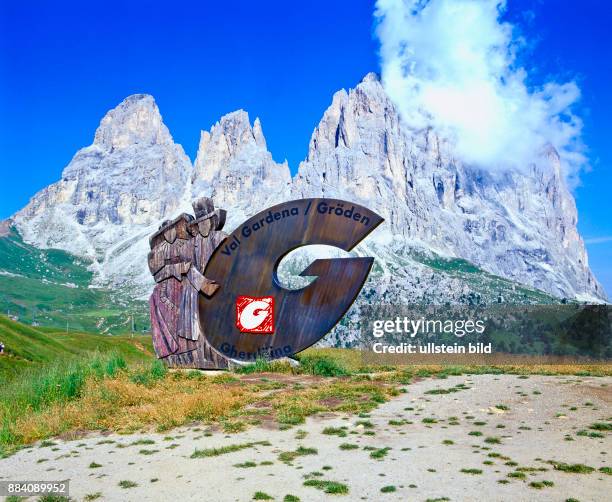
(64, 64)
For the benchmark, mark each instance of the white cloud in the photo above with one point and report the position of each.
(452, 64)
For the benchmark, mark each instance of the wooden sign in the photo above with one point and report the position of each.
(252, 315)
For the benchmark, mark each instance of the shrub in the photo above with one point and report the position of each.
(322, 366)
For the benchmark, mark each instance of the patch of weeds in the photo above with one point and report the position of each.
(606, 470)
(234, 426)
(262, 496)
(572, 468)
(105, 441)
(502, 407)
(246, 464)
(517, 475)
(380, 453)
(125, 484)
(348, 446)
(601, 426)
(331, 487)
(399, 422)
(471, 471)
(538, 485)
(93, 465)
(475, 433)
(429, 421)
(492, 440)
(480, 423)
(589, 434)
(92, 496)
(335, 431)
(365, 424)
(291, 498)
(388, 489)
(148, 452)
(440, 499)
(503, 481)
(322, 366)
(300, 434)
(448, 442)
(215, 452)
(142, 442)
(288, 456)
(46, 443)
(450, 390)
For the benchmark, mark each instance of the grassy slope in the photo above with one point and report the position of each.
(26, 346)
(489, 287)
(50, 287)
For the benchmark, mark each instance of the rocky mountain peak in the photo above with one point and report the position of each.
(233, 165)
(136, 120)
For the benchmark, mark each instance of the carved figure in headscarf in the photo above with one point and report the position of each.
(180, 250)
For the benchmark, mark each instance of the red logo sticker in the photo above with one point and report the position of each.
(255, 314)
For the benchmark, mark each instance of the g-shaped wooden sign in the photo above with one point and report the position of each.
(252, 315)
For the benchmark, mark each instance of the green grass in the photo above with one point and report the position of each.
(572, 468)
(471, 471)
(322, 366)
(335, 431)
(585, 433)
(215, 452)
(538, 485)
(28, 348)
(388, 489)
(601, 426)
(125, 484)
(492, 440)
(331, 487)
(50, 287)
(288, 456)
(380, 453)
(349, 446)
(246, 465)
(262, 496)
(41, 386)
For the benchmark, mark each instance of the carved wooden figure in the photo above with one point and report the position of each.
(180, 250)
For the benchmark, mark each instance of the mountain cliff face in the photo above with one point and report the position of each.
(234, 166)
(520, 226)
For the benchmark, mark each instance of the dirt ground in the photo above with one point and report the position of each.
(415, 445)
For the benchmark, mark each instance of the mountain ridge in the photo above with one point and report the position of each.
(359, 151)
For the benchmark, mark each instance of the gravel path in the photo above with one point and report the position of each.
(421, 450)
